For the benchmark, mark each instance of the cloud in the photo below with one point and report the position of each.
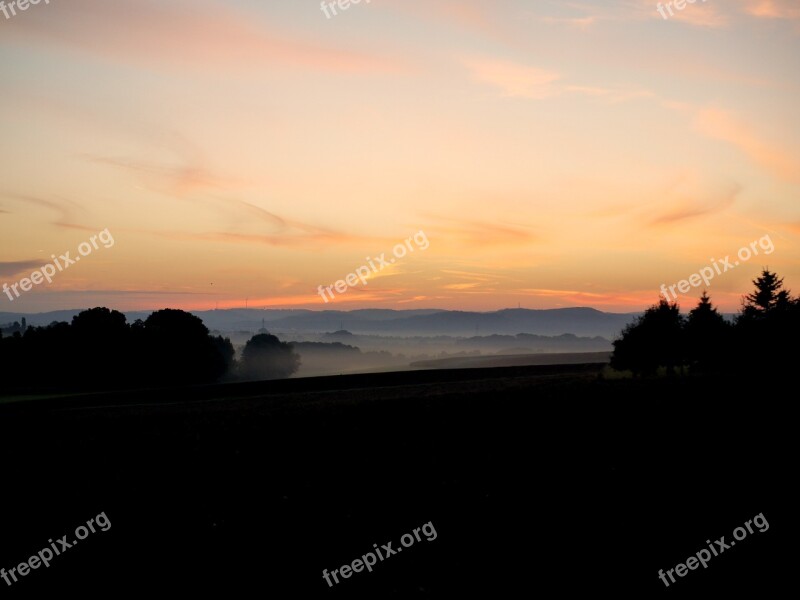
(609, 94)
(132, 292)
(683, 210)
(200, 35)
(480, 233)
(516, 80)
(773, 9)
(581, 298)
(414, 299)
(698, 14)
(9, 269)
(472, 276)
(585, 15)
(173, 179)
(571, 22)
(67, 211)
(705, 14)
(725, 126)
(470, 281)
(266, 238)
(188, 179)
(722, 14)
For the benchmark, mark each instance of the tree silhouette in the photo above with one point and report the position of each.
(100, 321)
(99, 350)
(768, 296)
(225, 355)
(179, 349)
(101, 343)
(769, 323)
(708, 337)
(46, 357)
(266, 357)
(654, 340)
(764, 335)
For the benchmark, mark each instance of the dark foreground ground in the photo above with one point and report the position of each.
(534, 478)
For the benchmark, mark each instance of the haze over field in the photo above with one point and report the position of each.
(243, 153)
(332, 342)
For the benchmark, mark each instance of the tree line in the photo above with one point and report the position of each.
(99, 349)
(763, 334)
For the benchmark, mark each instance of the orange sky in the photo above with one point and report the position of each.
(553, 153)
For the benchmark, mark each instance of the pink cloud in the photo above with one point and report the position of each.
(723, 125)
(773, 9)
(513, 79)
(198, 35)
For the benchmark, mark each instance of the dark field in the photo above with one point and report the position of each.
(534, 478)
(513, 360)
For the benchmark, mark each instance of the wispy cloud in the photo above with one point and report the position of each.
(67, 212)
(189, 180)
(8, 269)
(568, 297)
(478, 233)
(198, 35)
(582, 23)
(514, 80)
(726, 126)
(517, 80)
(710, 14)
(683, 209)
(269, 239)
(773, 9)
(703, 14)
(172, 179)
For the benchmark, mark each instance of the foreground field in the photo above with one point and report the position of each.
(514, 360)
(533, 477)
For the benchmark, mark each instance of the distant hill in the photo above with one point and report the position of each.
(577, 321)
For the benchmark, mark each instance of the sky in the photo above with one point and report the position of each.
(245, 153)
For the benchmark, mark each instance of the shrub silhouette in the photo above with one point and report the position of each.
(266, 357)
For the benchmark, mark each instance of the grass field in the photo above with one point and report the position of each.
(535, 478)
